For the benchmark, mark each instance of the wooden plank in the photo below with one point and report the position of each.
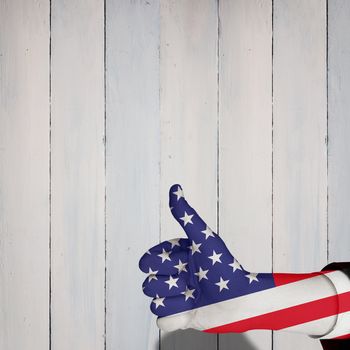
(188, 111)
(133, 148)
(24, 175)
(338, 130)
(300, 154)
(245, 140)
(78, 175)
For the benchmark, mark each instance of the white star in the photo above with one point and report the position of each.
(222, 284)
(235, 265)
(187, 219)
(202, 274)
(165, 255)
(174, 242)
(179, 193)
(215, 257)
(252, 277)
(208, 232)
(171, 208)
(148, 252)
(188, 293)
(172, 282)
(158, 301)
(152, 275)
(195, 247)
(181, 266)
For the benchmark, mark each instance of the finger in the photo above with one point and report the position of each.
(158, 253)
(194, 226)
(154, 264)
(172, 244)
(166, 306)
(164, 286)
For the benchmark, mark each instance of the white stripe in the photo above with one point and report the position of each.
(312, 326)
(255, 304)
(268, 300)
(342, 327)
(341, 321)
(340, 280)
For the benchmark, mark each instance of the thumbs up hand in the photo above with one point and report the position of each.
(186, 274)
(195, 282)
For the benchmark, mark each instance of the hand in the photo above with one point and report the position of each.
(185, 274)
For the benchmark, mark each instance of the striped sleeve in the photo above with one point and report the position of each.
(339, 336)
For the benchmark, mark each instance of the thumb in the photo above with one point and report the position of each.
(194, 226)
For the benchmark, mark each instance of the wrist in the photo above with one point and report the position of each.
(341, 327)
(295, 303)
(310, 303)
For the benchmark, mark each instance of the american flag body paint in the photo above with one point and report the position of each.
(196, 283)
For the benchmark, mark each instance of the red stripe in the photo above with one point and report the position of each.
(344, 302)
(346, 336)
(290, 316)
(284, 278)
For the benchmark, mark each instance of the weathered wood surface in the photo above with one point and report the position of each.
(132, 173)
(77, 175)
(227, 98)
(338, 130)
(24, 175)
(299, 147)
(188, 116)
(245, 142)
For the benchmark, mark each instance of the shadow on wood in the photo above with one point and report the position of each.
(191, 339)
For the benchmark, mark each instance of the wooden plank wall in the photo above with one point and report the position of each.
(106, 103)
(299, 144)
(24, 175)
(245, 139)
(338, 129)
(188, 116)
(132, 168)
(77, 175)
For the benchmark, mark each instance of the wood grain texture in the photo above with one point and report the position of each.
(188, 115)
(78, 175)
(299, 148)
(24, 175)
(133, 155)
(245, 141)
(193, 96)
(338, 130)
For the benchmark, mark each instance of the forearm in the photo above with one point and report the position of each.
(304, 303)
(195, 282)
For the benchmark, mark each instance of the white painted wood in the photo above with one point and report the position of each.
(300, 154)
(78, 175)
(24, 175)
(162, 128)
(133, 155)
(188, 112)
(245, 140)
(338, 130)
